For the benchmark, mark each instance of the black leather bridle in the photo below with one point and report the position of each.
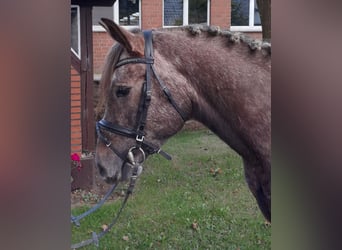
(138, 132)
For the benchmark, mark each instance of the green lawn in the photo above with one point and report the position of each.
(199, 200)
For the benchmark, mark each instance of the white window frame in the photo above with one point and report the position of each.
(251, 27)
(186, 14)
(78, 31)
(99, 28)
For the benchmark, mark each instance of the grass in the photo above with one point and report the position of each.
(199, 200)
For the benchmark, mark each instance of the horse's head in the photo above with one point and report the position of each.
(137, 113)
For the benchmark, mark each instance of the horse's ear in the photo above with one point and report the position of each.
(134, 44)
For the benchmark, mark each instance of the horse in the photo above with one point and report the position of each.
(154, 81)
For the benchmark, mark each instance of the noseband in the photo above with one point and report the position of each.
(138, 133)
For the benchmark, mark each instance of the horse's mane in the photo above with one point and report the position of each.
(215, 31)
(232, 37)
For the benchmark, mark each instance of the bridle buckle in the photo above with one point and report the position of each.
(139, 139)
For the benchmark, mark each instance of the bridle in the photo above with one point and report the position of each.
(138, 133)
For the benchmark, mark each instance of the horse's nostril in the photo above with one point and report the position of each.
(109, 175)
(102, 170)
(112, 179)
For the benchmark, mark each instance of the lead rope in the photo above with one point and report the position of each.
(137, 169)
(76, 219)
(141, 122)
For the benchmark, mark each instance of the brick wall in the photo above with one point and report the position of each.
(152, 14)
(101, 44)
(220, 12)
(76, 135)
(255, 35)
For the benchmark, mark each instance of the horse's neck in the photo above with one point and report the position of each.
(214, 88)
(230, 113)
(213, 114)
(227, 93)
(225, 88)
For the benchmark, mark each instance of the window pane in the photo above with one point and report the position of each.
(129, 12)
(173, 12)
(99, 12)
(240, 13)
(74, 29)
(257, 21)
(198, 11)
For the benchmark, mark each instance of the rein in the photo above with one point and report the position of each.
(138, 133)
(137, 169)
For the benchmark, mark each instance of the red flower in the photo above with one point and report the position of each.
(76, 161)
(75, 157)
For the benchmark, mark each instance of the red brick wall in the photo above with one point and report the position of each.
(76, 135)
(254, 35)
(220, 13)
(101, 44)
(152, 14)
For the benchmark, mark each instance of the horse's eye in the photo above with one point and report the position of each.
(122, 91)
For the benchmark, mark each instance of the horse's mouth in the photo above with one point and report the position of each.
(126, 172)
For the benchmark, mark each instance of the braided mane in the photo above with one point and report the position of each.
(232, 37)
(214, 31)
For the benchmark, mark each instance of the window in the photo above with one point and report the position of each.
(173, 12)
(198, 11)
(123, 12)
(184, 12)
(129, 13)
(75, 31)
(245, 16)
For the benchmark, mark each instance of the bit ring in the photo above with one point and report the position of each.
(133, 152)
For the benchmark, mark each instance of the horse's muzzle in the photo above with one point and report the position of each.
(113, 177)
